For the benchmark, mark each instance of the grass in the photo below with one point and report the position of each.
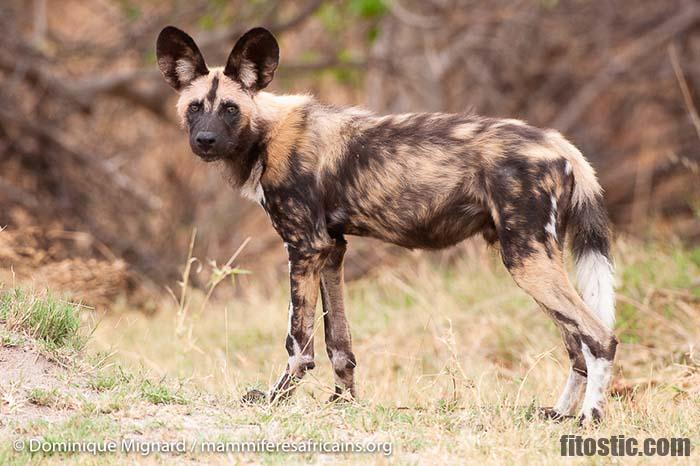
(43, 397)
(77, 428)
(452, 362)
(159, 393)
(50, 320)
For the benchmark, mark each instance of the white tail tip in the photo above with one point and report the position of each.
(596, 284)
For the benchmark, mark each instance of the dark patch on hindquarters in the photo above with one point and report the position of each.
(521, 191)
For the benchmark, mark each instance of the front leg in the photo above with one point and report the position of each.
(304, 276)
(337, 332)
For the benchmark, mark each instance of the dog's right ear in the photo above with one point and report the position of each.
(179, 59)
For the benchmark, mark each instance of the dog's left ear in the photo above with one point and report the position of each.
(254, 59)
(179, 59)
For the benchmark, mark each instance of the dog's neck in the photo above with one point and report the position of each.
(275, 115)
(274, 110)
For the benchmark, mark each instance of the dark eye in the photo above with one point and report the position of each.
(231, 108)
(194, 108)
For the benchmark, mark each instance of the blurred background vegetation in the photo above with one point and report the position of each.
(99, 192)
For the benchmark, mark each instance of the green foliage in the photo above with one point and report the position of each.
(335, 15)
(627, 323)
(651, 280)
(104, 382)
(368, 8)
(694, 256)
(206, 22)
(549, 4)
(9, 340)
(372, 33)
(330, 16)
(131, 10)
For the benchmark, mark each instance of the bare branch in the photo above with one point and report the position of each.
(210, 38)
(121, 180)
(685, 90)
(622, 61)
(143, 86)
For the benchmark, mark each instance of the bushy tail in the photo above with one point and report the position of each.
(589, 227)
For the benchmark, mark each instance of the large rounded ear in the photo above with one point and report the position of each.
(254, 59)
(179, 59)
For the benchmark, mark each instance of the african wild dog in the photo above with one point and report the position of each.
(417, 180)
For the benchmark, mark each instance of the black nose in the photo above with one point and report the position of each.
(205, 139)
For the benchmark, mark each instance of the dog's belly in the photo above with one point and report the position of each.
(432, 228)
(436, 233)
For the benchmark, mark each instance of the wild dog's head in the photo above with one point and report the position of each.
(216, 105)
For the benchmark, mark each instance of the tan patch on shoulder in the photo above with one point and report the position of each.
(330, 137)
(284, 135)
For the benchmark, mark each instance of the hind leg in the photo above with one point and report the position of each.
(539, 270)
(530, 206)
(572, 393)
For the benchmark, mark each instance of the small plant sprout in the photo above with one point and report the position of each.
(184, 326)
